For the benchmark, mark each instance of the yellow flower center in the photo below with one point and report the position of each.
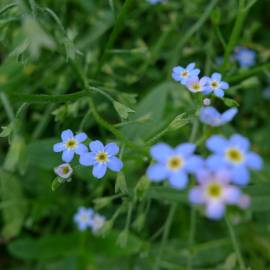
(184, 74)
(234, 155)
(102, 157)
(196, 87)
(71, 144)
(65, 170)
(175, 163)
(214, 190)
(214, 84)
(84, 217)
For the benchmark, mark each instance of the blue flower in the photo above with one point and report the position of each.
(181, 74)
(153, 2)
(70, 145)
(173, 164)
(210, 116)
(196, 85)
(216, 85)
(234, 155)
(245, 57)
(102, 158)
(215, 192)
(83, 218)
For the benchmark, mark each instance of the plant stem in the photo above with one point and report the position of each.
(191, 237)
(7, 106)
(235, 244)
(165, 234)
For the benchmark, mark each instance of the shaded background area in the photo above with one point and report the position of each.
(45, 46)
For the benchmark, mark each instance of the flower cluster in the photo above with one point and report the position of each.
(189, 77)
(99, 157)
(87, 218)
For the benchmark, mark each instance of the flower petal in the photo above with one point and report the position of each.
(194, 163)
(219, 92)
(240, 141)
(215, 210)
(232, 195)
(196, 195)
(254, 161)
(215, 162)
(185, 149)
(59, 147)
(81, 137)
(66, 134)
(112, 149)
(157, 172)
(115, 164)
(67, 155)
(224, 85)
(80, 149)
(96, 146)
(217, 144)
(229, 115)
(99, 170)
(240, 175)
(178, 180)
(216, 76)
(87, 159)
(190, 66)
(161, 152)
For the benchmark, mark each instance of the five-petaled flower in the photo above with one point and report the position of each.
(216, 85)
(102, 157)
(245, 57)
(173, 164)
(83, 218)
(181, 74)
(196, 85)
(215, 192)
(70, 145)
(64, 170)
(211, 117)
(234, 155)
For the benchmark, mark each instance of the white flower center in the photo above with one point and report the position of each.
(102, 157)
(196, 86)
(84, 217)
(71, 144)
(184, 74)
(175, 163)
(215, 84)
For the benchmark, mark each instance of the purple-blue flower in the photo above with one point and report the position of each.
(70, 145)
(216, 85)
(233, 154)
(215, 192)
(173, 164)
(245, 57)
(210, 116)
(196, 85)
(83, 218)
(181, 74)
(102, 157)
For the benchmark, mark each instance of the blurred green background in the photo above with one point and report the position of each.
(125, 50)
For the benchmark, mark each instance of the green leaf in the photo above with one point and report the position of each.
(230, 102)
(154, 104)
(56, 183)
(7, 130)
(15, 204)
(178, 122)
(121, 183)
(122, 110)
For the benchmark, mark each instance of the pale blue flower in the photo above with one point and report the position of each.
(196, 85)
(154, 2)
(210, 116)
(181, 74)
(64, 170)
(70, 145)
(245, 57)
(173, 164)
(83, 218)
(216, 85)
(214, 191)
(102, 157)
(233, 154)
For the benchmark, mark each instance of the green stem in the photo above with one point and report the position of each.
(235, 244)
(165, 235)
(191, 237)
(235, 34)
(7, 106)
(6, 8)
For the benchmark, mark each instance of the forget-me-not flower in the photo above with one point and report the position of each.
(196, 85)
(181, 74)
(211, 117)
(173, 164)
(97, 222)
(245, 57)
(102, 157)
(83, 218)
(64, 170)
(233, 154)
(216, 85)
(215, 192)
(153, 2)
(70, 145)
